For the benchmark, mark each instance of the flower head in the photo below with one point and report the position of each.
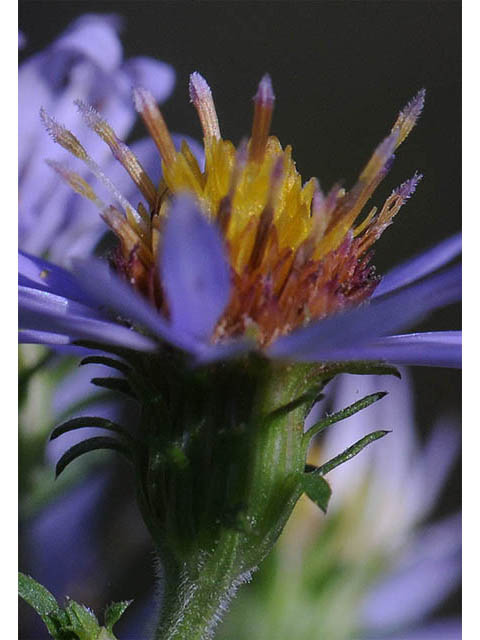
(242, 247)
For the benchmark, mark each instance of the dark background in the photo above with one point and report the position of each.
(341, 72)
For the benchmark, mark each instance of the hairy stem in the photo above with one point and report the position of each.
(226, 500)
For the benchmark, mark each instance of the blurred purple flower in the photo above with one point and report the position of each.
(395, 489)
(85, 62)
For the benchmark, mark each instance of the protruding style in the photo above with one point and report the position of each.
(62, 136)
(264, 101)
(119, 149)
(409, 115)
(77, 183)
(152, 117)
(202, 99)
(266, 218)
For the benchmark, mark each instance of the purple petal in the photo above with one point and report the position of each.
(111, 292)
(32, 91)
(94, 37)
(431, 472)
(156, 76)
(50, 317)
(194, 270)
(339, 336)
(73, 516)
(430, 573)
(41, 337)
(433, 349)
(383, 472)
(46, 276)
(53, 303)
(84, 62)
(420, 266)
(448, 629)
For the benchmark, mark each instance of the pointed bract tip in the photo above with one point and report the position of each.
(265, 93)
(198, 87)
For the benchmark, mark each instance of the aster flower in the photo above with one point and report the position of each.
(373, 558)
(85, 62)
(424, 563)
(265, 283)
(243, 249)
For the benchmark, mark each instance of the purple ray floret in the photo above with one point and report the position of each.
(420, 265)
(339, 337)
(194, 270)
(108, 291)
(434, 349)
(35, 273)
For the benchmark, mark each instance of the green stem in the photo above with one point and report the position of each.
(196, 597)
(199, 583)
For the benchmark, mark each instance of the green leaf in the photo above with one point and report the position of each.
(36, 596)
(76, 621)
(317, 489)
(44, 603)
(83, 621)
(114, 612)
(344, 413)
(114, 384)
(351, 452)
(113, 363)
(92, 444)
(88, 421)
